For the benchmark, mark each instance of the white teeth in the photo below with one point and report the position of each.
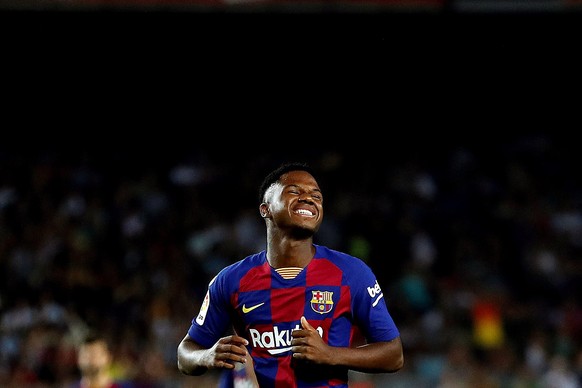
(305, 212)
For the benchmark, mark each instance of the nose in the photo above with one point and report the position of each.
(305, 197)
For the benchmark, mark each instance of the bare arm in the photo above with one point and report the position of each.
(370, 358)
(194, 360)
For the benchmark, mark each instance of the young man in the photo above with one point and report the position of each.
(296, 306)
(94, 359)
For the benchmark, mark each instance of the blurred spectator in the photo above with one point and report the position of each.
(560, 374)
(94, 360)
(242, 376)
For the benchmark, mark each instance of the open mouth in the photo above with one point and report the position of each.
(304, 212)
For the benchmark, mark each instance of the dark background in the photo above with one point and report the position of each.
(157, 66)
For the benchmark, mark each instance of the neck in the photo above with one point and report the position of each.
(288, 252)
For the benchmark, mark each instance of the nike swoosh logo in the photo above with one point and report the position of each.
(248, 310)
(279, 351)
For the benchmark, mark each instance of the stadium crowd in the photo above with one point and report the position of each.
(477, 245)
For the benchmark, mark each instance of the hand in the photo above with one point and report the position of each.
(308, 345)
(226, 351)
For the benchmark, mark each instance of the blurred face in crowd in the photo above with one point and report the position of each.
(93, 357)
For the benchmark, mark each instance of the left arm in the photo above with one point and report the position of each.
(378, 357)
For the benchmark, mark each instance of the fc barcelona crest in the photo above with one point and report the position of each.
(321, 301)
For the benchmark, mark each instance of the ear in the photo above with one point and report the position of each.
(264, 210)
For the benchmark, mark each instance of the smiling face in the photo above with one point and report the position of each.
(294, 204)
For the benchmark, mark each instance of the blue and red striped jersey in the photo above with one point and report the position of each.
(337, 293)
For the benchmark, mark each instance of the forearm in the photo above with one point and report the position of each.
(194, 359)
(191, 359)
(382, 357)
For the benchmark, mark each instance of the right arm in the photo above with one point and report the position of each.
(194, 359)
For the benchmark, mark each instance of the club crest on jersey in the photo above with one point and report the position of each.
(321, 301)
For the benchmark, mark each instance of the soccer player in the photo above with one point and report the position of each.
(295, 306)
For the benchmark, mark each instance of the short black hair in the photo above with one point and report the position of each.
(276, 174)
(92, 337)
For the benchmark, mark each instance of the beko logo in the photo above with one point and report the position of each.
(373, 291)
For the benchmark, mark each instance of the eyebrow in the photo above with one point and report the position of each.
(299, 186)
